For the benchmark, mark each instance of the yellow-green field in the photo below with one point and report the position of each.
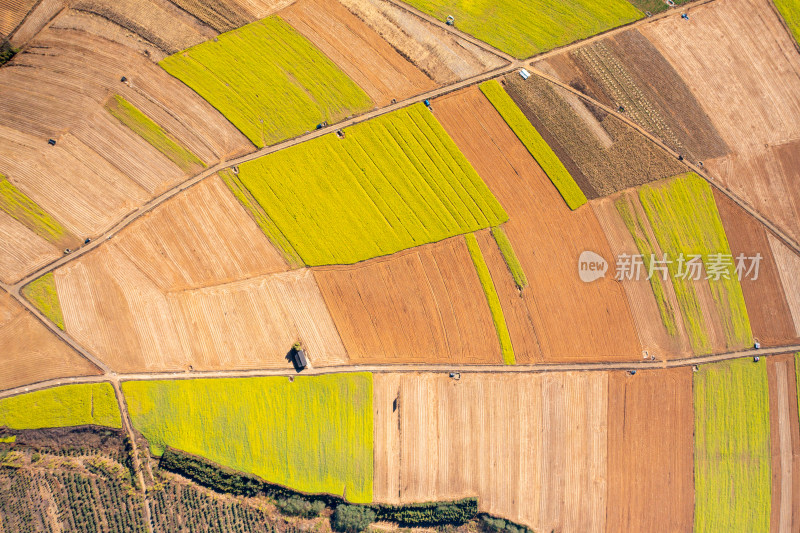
(492, 299)
(391, 183)
(313, 434)
(536, 145)
(268, 80)
(790, 11)
(523, 28)
(68, 405)
(732, 447)
(685, 220)
(41, 292)
(510, 257)
(151, 132)
(20, 207)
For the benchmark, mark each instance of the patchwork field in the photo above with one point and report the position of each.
(438, 53)
(312, 434)
(68, 405)
(743, 68)
(785, 443)
(227, 15)
(229, 72)
(531, 447)
(13, 13)
(391, 183)
(548, 238)
(31, 353)
(650, 451)
(424, 305)
(732, 447)
(356, 49)
(524, 28)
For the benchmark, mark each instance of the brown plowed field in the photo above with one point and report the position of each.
(573, 321)
(441, 55)
(360, 52)
(650, 451)
(788, 264)
(423, 305)
(649, 325)
(531, 447)
(743, 68)
(785, 441)
(36, 19)
(226, 15)
(12, 14)
(30, 352)
(21, 250)
(770, 317)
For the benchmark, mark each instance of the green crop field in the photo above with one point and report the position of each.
(535, 144)
(523, 28)
(41, 292)
(313, 434)
(268, 80)
(732, 447)
(510, 257)
(685, 221)
(391, 183)
(26, 211)
(790, 11)
(151, 132)
(68, 405)
(654, 6)
(492, 299)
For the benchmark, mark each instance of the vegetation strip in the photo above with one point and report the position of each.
(732, 447)
(42, 293)
(269, 81)
(26, 211)
(154, 134)
(313, 434)
(67, 405)
(492, 299)
(685, 221)
(391, 183)
(510, 257)
(535, 144)
(790, 11)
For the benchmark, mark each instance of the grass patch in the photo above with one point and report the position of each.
(510, 257)
(151, 132)
(68, 405)
(261, 217)
(8, 440)
(42, 293)
(391, 183)
(637, 230)
(493, 300)
(28, 213)
(312, 435)
(6, 53)
(535, 144)
(685, 220)
(790, 11)
(523, 28)
(732, 447)
(268, 80)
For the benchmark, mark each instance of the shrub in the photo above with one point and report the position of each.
(297, 506)
(490, 524)
(352, 518)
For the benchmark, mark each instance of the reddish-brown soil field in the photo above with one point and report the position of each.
(573, 321)
(531, 447)
(770, 317)
(423, 305)
(785, 441)
(788, 264)
(650, 451)
(31, 353)
(360, 52)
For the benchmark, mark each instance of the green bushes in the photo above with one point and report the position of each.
(429, 513)
(352, 518)
(6, 53)
(297, 506)
(498, 525)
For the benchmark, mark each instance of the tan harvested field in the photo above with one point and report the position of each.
(99, 170)
(573, 321)
(360, 52)
(441, 55)
(30, 352)
(785, 442)
(770, 317)
(21, 250)
(743, 68)
(12, 13)
(788, 264)
(37, 18)
(650, 451)
(531, 447)
(653, 335)
(424, 305)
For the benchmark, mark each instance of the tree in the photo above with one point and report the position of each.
(352, 518)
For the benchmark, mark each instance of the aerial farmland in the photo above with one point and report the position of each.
(378, 266)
